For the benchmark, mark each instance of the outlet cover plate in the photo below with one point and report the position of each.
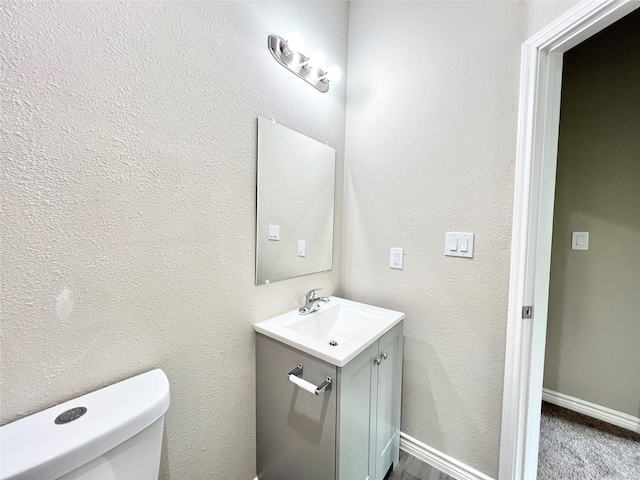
(395, 258)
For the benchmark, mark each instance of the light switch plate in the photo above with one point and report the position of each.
(395, 259)
(459, 244)
(274, 232)
(302, 248)
(579, 240)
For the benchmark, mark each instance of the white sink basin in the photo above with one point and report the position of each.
(351, 326)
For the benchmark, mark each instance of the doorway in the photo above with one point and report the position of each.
(591, 384)
(541, 74)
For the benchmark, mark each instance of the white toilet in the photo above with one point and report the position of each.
(112, 433)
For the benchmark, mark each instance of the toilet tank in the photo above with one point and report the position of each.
(118, 436)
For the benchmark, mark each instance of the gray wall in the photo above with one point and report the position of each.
(128, 204)
(593, 332)
(431, 140)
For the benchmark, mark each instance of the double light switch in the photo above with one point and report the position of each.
(458, 244)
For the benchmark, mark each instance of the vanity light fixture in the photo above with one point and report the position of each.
(307, 68)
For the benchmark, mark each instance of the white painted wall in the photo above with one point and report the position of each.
(128, 170)
(128, 204)
(431, 136)
(593, 326)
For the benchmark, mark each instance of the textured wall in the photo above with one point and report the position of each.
(128, 204)
(431, 136)
(593, 328)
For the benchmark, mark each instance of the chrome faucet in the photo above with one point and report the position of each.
(312, 303)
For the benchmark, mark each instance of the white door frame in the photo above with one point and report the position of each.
(538, 124)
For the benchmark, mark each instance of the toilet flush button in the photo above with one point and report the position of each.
(70, 415)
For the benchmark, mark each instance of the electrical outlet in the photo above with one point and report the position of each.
(395, 260)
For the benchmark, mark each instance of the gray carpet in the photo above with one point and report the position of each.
(577, 447)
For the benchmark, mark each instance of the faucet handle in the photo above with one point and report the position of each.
(312, 303)
(311, 294)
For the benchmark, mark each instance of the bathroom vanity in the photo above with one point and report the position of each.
(349, 428)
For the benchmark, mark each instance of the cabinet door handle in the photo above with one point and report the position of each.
(378, 360)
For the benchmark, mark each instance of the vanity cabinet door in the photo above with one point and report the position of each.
(357, 406)
(295, 429)
(389, 386)
(369, 409)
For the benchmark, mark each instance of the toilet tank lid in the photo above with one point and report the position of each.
(36, 446)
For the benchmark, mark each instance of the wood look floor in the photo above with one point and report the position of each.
(410, 468)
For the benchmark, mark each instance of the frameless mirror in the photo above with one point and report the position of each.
(294, 221)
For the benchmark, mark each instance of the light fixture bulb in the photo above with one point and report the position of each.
(295, 42)
(315, 60)
(334, 73)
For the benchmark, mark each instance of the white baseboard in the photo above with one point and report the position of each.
(439, 460)
(592, 410)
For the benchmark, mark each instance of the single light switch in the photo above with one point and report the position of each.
(459, 244)
(274, 232)
(579, 240)
(302, 249)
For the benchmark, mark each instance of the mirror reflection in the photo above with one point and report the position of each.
(295, 192)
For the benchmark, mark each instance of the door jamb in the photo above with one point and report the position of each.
(536, 156)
